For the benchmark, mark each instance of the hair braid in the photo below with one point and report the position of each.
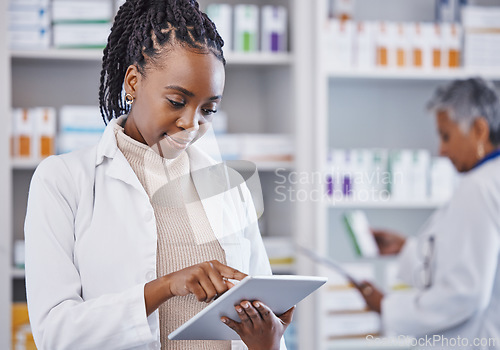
(140, 31)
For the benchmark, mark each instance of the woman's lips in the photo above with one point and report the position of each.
(178, 143)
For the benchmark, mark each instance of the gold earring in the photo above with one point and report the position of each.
(129, 99)
(480, 151)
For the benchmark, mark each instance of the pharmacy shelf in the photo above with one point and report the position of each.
(272, 166)
(31, 164)
(412, 74)
(257, 59)
(388, 204)
(283, 269)
(18, 273)
(376, 342)
(24, 164)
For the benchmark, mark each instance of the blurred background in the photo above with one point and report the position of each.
(327, 97)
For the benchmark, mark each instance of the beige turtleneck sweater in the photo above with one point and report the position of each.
(185, 236)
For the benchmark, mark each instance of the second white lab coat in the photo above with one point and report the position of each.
(463, 299)
(91, 245)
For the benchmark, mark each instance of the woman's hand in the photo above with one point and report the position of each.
(260, 328)
(388, 242)
(371, 294)
(206, 281)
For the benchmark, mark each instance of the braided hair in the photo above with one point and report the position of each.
(140, 33)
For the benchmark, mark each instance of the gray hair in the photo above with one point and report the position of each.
(466, 100)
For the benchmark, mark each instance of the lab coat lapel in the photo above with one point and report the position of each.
(119, 168)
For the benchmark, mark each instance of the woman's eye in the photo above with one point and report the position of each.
(207, 111)
(176, 103)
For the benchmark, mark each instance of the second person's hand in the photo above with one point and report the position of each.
(388, 242)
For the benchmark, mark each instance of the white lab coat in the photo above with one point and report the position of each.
(463, 299)
(91, 246)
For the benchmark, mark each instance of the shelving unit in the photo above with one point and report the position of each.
(378, 108)
(251, 59)
(411, 74)
(5, 189)
(259, 98)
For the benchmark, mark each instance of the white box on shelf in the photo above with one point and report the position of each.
(485, 17)
(403, 46)
(22, 131)
(19, 256)
(32, 39)
(443, 178)
(435, 39)
(32, 17)
(81, 34)
(280, 250)
(89, 10)
(385, 39)
(409, 174)
(420, 46)
(350, 325)
(339, 43)
(452, 43)
(79, 127)
(222, 16)
(267, 147)
(28, 3)
(246, 28)
(44, 134)
(364, 45)
(274, 29)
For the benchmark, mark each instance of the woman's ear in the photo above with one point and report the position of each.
(131, 80)
(481, 129)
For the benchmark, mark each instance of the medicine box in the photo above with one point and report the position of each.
(89, 10)
(81, 35)
(274, 29)
(246, 28)
(222, 16)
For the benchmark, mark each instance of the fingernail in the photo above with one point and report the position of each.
(224, 320)
(256, 304)
(239, 309)
(246, 305)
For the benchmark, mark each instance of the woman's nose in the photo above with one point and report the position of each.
(189, 121)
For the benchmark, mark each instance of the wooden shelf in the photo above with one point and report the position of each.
(258, 59)
(412, 74)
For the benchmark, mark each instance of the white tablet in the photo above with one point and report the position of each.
(279, 292)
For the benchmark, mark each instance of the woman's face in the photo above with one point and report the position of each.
(459, 147)
(175, 100)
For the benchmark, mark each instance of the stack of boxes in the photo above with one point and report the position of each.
(29, 24)
(81, 24)
(41, 24)
(372, 45)
(344, 313)
(482, 37)
(377, 175)
(243, 26)
(35, 132)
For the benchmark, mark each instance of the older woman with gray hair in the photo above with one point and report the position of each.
(452, 266)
